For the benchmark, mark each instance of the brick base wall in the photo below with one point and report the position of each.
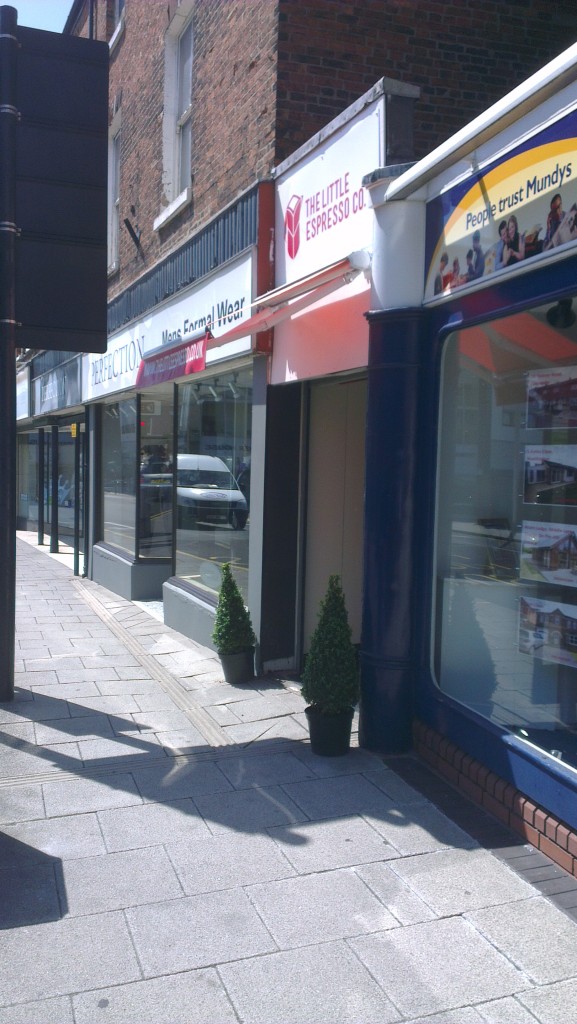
(499, 798)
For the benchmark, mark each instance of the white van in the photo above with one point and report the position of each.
(207, 492)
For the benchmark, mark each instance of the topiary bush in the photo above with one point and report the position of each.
(330, 681)
(233, 632)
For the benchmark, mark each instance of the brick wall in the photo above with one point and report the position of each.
(268, 74)
(234, 106)
(499, 798)
(463, 56)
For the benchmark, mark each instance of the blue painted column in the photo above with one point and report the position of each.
(388, 643)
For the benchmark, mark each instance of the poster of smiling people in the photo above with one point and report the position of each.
(511, 210)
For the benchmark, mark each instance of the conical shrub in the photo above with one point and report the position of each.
(233, 630)
(330, 681)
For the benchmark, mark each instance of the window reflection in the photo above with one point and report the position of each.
(119, 474)
(156, 469)
(213, 479)
(506, 621)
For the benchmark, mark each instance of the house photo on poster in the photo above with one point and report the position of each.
(550, 475)
(552, 397)
(548, 631)
(549, 553)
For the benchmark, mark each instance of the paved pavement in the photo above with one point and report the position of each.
(171, 852)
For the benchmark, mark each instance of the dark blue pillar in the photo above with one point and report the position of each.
(388, 644)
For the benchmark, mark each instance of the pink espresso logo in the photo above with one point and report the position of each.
(292, 225)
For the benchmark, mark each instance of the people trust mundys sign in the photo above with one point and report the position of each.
(512, 210)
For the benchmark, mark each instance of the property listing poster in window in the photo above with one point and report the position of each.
(551, 475)
(552, 397)
(549, 553)
(548, 631)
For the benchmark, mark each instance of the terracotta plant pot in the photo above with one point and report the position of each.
(238, 668)
(330, 735)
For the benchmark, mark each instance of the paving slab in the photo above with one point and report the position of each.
(187, 740)
(436, 966)
(128, 745)
(93, 885)
(394, 787)
(71, 955)
(151, 824)
(455, 881)
(85, 794)
(397, 896)
(279, 728)
(534, 935)
(43, 1011)
(333, 797)
(208, 864)
(248, 810)
(197, 931)
(180, 777)
(195, 997)
(322, 846)
(249, 770)
(29, 891)
(332, 904)
(297, 986)
(554, 1004)
(465, 1015)
(21, 803)
(353, 763)
(72, 836)
(419, 829)
(61, 730)
(506, 1011)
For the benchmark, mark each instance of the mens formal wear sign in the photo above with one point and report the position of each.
(518, 208)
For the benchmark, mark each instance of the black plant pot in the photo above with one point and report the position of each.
(238, 668)
(330, 735)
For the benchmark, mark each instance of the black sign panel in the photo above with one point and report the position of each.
(61, 192)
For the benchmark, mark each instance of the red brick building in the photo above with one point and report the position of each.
(207, 99)
(268, 74)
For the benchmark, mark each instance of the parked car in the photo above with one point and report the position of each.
(207, 492)
(531, 639)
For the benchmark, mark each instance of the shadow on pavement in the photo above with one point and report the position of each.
(271, 784)
(31, 884)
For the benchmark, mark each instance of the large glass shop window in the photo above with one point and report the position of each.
(213, 479)
(119, 474)
(156, 467)
(506, 555)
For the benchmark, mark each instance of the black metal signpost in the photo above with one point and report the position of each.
(53, 193)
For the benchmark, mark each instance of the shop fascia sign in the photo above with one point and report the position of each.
(59, 388)
(322, 209)
(115, 370)
(23, 394)
(216, 305)
(517, 209)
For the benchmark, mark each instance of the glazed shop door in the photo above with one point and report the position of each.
(335, 498)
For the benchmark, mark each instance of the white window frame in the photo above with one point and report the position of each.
(177, 192)
(118, 23)
(114, 169)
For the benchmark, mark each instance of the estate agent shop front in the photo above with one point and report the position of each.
(470, 596)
